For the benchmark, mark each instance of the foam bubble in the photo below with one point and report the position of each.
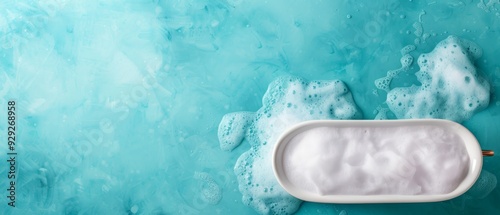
(383, 83)
(418, 29)
(406, 60)
(451, 87)
(407, 49)
(288, 100)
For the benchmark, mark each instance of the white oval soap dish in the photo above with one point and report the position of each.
(377, 161)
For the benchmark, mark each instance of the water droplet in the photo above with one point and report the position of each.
(134, 209)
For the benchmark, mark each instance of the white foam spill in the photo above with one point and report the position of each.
(451, 86)
(408, 160)
(406, 61)
(288, 100)
(232, 129)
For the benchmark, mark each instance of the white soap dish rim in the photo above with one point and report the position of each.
(472, 146)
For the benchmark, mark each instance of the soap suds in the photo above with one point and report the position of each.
(288, 100)
(451, 86)
(406, 61)
(210, 191)
(232, 129)
(488, 6)
(408, 160)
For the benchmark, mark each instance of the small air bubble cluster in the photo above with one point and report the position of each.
(407, 49)
(418, 29)
(406, 60)
(472, 49)
(210, 190)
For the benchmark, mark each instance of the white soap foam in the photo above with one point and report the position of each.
(407, 49)
(288, 101)
(406, 61)
(232, 129)
(451, 87)
(407, 160)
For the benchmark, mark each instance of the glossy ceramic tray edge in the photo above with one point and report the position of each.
(472, 146)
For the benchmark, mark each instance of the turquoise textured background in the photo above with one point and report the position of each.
(119, 102)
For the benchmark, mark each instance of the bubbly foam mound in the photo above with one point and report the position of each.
(451, 86)
(288, 100)
(404, 160)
